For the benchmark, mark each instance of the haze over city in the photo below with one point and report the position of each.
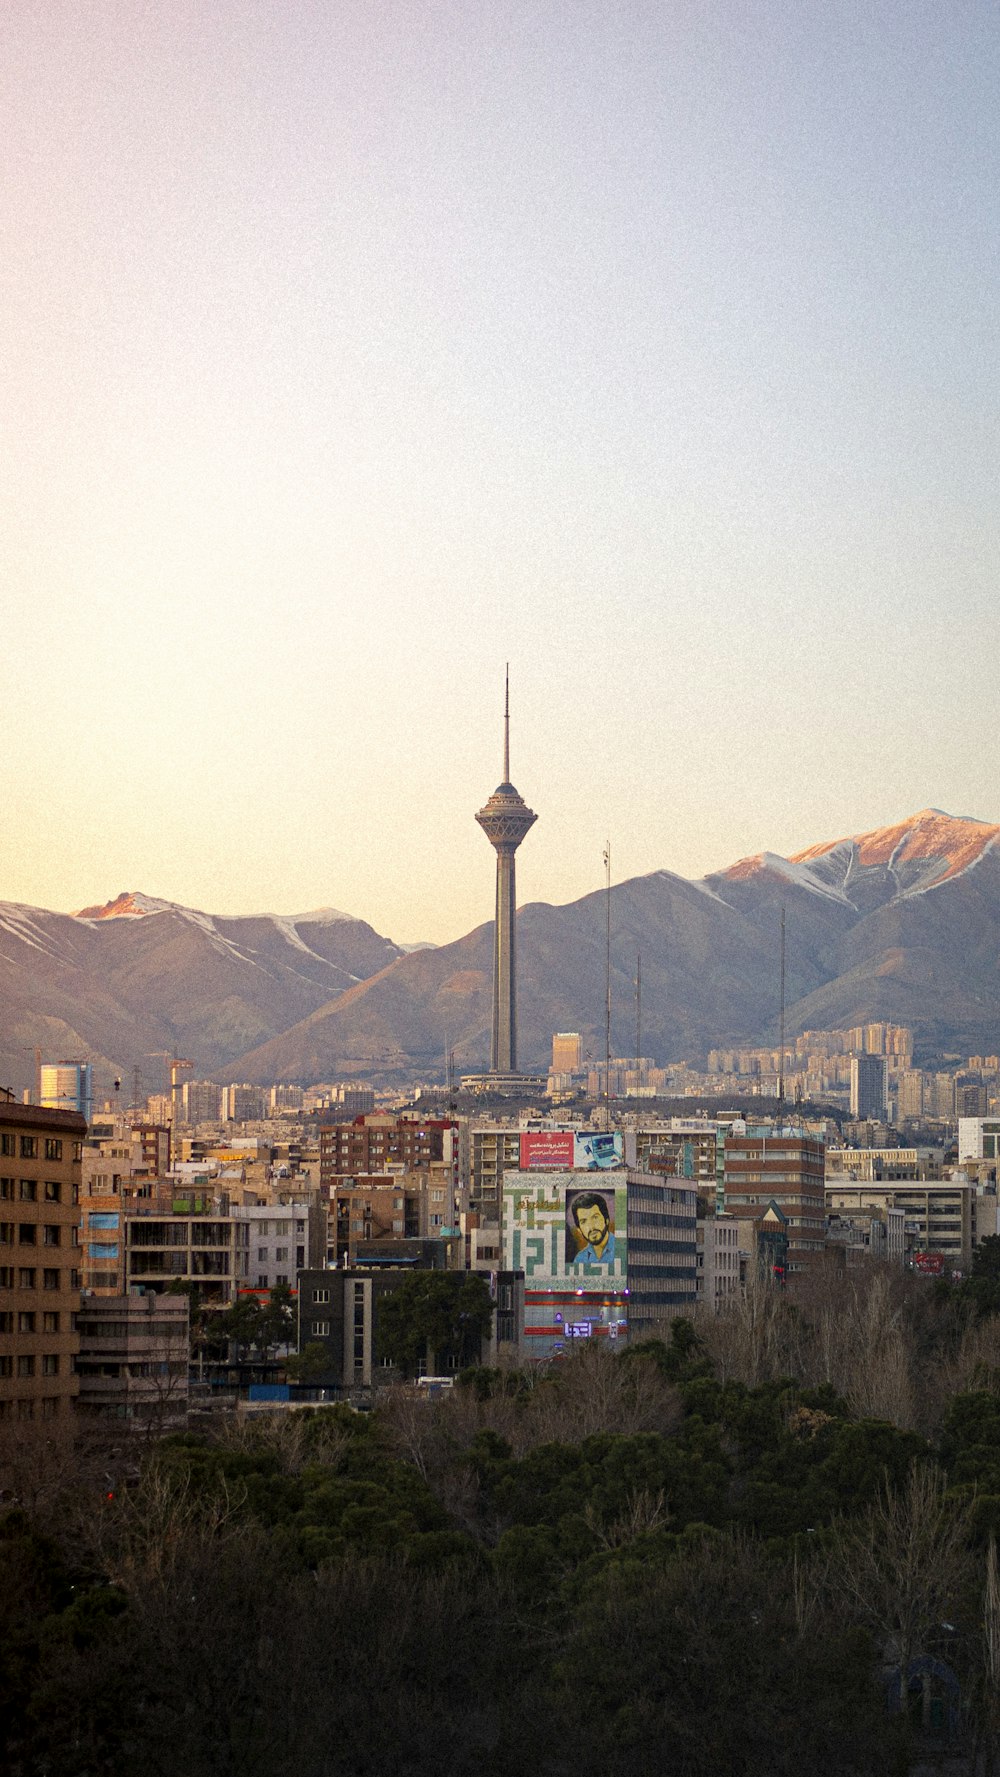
(353, 351)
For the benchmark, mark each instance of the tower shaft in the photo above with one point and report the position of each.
(503, 1054)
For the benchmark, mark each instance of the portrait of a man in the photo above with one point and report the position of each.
(590, 1227)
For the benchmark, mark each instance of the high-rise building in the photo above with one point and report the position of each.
(566, 1050)
(867, 1086)
(66, 1086)
(505, 820)
(787, 1170)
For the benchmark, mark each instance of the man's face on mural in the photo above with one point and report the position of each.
(593, 1225)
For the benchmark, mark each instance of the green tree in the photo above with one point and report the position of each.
(435, 1317)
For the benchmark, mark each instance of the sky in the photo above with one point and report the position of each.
(353, 349)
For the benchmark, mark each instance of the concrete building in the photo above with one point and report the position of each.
(134, 1358)
(978, 1138)
(275, 1241)
(40, 1170)
(718, 1275)
(185, 1235)
(937, 1212)
(868, 1086)
(505, 819)
(605, 1252)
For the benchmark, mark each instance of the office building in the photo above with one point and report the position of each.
(66, 1086)
(868, 1081)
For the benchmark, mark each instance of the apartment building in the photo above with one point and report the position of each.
(786, 1168)
(40, 1169)
(134, 1358)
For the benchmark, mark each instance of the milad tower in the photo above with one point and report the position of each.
(505, 820)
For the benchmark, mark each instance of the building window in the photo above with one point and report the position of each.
(7, 1233)
(50, 1323)
(29, 1147)
(6, 1366)
(262, 1255)
(53, 1191)
(27, 1234)
(7, 1190)
(51, 1234)
(50, 1280)
(6, 1142)
(6, 1321)
(321, 1295)
(281, 1255)
(26, 1321)
(26, 1278)
(29, 1191)
(53, 1148)
(321, 1329)
(50, 1365)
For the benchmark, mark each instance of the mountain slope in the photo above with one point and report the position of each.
(119, 984)
(900, 924)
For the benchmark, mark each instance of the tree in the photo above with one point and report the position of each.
(434, 1317)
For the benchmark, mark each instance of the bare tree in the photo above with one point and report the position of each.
(903, 1566)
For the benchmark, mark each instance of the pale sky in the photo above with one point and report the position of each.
(351, 349)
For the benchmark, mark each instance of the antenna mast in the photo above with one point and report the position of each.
(607, 995)
(781, 1032)
(638, 1022)
(506, 724)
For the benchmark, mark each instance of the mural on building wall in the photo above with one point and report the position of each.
(561, 1231)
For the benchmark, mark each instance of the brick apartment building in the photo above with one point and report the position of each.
(40, 1169)
(787, 1169)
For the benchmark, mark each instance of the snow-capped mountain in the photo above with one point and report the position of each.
(901, 924)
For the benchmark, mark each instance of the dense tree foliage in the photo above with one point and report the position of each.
(629, 1564)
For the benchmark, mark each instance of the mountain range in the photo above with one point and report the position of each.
(900, 924)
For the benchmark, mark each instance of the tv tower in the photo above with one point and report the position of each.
(505, 820)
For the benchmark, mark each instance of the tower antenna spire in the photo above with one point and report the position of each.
(506, 724)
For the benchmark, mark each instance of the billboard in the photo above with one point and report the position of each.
(563, 1150)
(564, 1232)
(929, 1264)
(541, 1148)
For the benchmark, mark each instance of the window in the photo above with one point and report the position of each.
(281, 1255)
(50, 1408)
(7, 1233)
(321, 1295)
(6, 1142)
(7, 1190)
(6, 1321)
(321, 1329)
(29, 1147)
(26, 1278)
(6, 1366)
(262, 1255)
(53, 1148)
(29, 1191)
(51, 1234)
(27, 1234)
(50, 1365)
(53, 1191)
(26, 1321)
(282, 1277)
(50, 1323)
(50, 1280)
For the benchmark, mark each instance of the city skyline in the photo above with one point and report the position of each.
(350, 352)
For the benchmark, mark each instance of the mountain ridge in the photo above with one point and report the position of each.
(901, 922)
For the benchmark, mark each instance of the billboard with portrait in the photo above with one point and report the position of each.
(564, 1232)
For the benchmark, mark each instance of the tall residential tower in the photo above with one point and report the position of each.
(505, 820)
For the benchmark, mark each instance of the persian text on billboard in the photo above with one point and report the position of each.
(546, 1147)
